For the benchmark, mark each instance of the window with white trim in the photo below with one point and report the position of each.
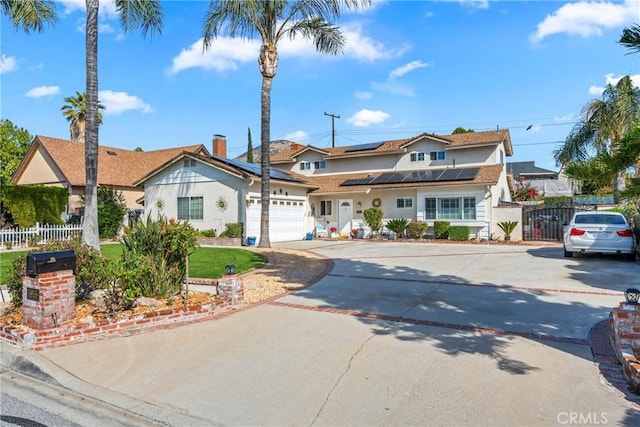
(417, 157)
(305, 166)
(325, 207)
(444, 208)
(404, 203)
(190, 208)
(319, 164)
(437, 155)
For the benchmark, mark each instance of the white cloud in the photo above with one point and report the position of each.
(475, 4)
(567, 118)
(587, 18)
(119, 102)
(364, 118)
(107, 7)
(363, 95)
(401, 71)
(612, 80)
(298, 135)
(224, 54)
(394, 88)
(37, 67)
(39, 92)
(7, 64)
(364, 48)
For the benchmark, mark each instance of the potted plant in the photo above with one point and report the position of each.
(333, 231)
(508, 227)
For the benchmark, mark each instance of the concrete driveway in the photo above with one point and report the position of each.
(396, 334)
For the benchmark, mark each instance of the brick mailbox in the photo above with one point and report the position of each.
(49, 289)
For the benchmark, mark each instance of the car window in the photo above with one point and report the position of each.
(600, 219)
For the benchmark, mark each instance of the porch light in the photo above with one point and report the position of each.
(230, 269)
(632, 295)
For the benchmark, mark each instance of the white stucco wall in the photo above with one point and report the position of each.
(506, 213)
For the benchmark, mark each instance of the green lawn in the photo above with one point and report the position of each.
(205, 263)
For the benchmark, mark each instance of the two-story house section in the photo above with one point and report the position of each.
(457, 178)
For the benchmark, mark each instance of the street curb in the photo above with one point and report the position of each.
(33, 365)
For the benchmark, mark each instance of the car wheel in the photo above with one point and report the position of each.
(567, 254)
(630, 257)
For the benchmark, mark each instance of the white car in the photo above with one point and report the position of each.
(599, 232)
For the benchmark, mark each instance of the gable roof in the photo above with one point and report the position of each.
(529, 169)
(461, 140)
(489, 174)
(117, 167)
(235, 167)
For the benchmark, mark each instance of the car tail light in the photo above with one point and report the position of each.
(625, 233)
(576, 232)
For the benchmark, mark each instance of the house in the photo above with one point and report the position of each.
(547, 182)
(212, 191)
(60, 162)
(459, 178)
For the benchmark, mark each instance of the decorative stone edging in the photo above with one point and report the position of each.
(625, 339)
(230, 298)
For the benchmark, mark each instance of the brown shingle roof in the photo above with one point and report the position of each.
(116, 167)
(461, 139)
(331, 183)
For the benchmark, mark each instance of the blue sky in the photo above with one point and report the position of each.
(408, 67)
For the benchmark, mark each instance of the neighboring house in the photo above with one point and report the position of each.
(212, 191)
(458, 178)
(60, 162)
(547, 182)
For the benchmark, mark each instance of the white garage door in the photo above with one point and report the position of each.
(286, 221)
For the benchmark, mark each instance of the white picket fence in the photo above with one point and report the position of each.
(40, 234)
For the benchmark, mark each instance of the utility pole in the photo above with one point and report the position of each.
(333, 128)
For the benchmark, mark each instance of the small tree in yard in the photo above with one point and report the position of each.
(111, 211)
(508, 227)
(373, 218)
(398, 225)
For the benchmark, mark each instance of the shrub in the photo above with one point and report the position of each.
(508, 227)
(441, 229)
(373, 218)
(232, 229)
(208, 233)
(111, 210)
(34, 239)
(398, 225)
(416, 229)
(558, 202)
(88, 261)
(459, 232)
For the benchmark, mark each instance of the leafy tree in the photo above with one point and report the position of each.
(460, 129)
(373, 218)
(111, 210)
(14, 143)
(144, 14)
(273, 21)
(75, 111)
(29, 204)
(604, 122)
(631, 38)
(30, 15)
(249, 147)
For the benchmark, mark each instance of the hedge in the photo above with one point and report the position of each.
(459, 232)
(441, 229)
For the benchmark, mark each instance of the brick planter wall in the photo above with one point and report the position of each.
(625, 339)
(229, 300)
(215, 241)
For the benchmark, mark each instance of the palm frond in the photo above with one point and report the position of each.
(631, 38)
(30, 15)
(144, 14)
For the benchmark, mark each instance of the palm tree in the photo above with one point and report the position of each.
(272, 21)
(30, 15)
(604, 122)
(144, 14)
(631, 38)
(75, 111)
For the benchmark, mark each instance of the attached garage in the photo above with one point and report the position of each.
(286, 219)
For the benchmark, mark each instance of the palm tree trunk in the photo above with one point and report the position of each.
(265, 161)
(90, 234)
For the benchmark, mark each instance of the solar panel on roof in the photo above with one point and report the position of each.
(388, 178)
(458, 174)
(256, 169)
(363, 147)
(360, 181)
(420, 176)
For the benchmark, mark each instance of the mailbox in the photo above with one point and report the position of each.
(47, 262)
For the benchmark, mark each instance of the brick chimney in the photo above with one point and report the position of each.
(219, 146)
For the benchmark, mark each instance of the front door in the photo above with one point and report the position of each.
(345, 215)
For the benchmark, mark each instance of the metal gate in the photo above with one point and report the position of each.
(546, 224)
